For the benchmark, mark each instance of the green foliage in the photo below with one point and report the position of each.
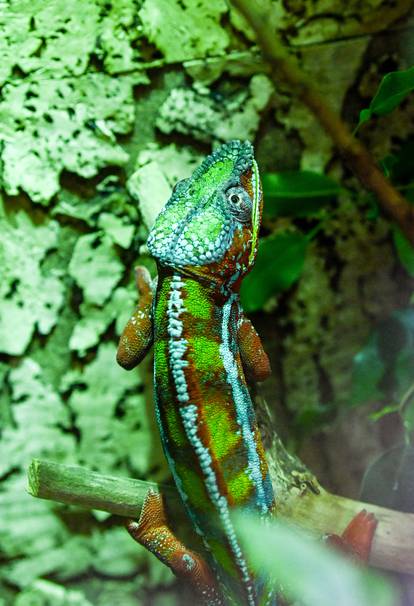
(278, 265)
(308, 571)
(384, 368)
(281, 256)
(392, 90)
(297, 193)
(404, 250)
(398, 167)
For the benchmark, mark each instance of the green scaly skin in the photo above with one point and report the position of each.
(205, 241)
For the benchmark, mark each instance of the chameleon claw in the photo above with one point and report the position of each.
(153, 533)
(356, 540)
(359, 534)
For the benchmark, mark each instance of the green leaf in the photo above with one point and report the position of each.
(297, 193)
(307, 570)
(386, 410)
(279, 263)
(367, 370)
(312, 416)
(393, 89)
(399, 165)
(364, 116)
(404, 249)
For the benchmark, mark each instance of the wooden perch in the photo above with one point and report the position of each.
(393, 547)
(284, 67)
(79, 486)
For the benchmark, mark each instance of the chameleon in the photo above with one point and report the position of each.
(205, 241)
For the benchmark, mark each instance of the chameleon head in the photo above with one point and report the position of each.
(209, 227)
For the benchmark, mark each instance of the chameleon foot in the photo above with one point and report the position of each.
(356, 540)
(153, 533)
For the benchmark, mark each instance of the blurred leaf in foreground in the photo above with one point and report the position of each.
(307, 570)
(297, 193)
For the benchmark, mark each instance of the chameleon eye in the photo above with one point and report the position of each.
(240, 203)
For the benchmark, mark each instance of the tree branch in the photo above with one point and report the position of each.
(285, 67)
(79, 486)
(318, 512)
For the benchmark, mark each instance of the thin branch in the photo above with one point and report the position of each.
(285, 67)
(79, 486)
(393, 547)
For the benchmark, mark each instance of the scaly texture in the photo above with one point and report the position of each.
(205, 241)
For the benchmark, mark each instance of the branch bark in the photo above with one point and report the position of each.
(306, 504)
(285, 67)
(75, 485)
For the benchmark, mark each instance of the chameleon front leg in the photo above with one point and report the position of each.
(137, 336)
(154, 534)
(254, 358)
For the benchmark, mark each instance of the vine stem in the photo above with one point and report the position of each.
(285, 67)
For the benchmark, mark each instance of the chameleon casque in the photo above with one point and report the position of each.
(205, 241)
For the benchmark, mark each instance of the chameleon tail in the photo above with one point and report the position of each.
(153, 533)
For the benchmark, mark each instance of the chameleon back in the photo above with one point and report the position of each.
(205, 242)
